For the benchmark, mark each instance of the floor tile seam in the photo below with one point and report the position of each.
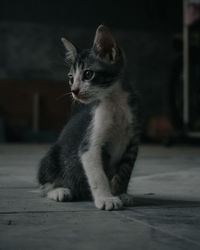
(156, 228)
(43, 212)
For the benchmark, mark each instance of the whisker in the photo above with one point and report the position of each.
(66, 94)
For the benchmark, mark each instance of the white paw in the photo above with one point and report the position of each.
(108, 203)
(59, 194)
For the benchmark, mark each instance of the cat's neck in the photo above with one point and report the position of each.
(114, 102)
(112, 90)
(115, 94)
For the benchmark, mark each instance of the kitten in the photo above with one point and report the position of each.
(95, 153)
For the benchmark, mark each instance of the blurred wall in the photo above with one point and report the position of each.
(30, 46)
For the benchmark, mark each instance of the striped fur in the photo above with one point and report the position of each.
(96, 151)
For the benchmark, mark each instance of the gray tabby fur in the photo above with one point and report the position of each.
(94, 156)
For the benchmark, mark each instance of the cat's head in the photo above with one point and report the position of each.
(94, 72)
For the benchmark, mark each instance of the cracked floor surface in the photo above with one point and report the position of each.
(166, 214)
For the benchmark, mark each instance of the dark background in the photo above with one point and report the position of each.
(31, 59)
(145, 15)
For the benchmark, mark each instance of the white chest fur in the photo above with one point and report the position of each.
(112, 123)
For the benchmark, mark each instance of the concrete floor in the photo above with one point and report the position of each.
(166, 214)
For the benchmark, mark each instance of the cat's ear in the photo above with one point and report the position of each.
(105, 45)
(71, 51)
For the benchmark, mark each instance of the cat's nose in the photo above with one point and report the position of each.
(75, 91)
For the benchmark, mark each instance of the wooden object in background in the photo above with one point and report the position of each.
(16, 106)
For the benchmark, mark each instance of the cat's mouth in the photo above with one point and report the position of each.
(82, 98)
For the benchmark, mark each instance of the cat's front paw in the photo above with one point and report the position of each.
(108, 203)
(59, 194)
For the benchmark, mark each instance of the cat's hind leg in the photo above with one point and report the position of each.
(50, 169)
(57, 193)
(49, 177)
(60, 194)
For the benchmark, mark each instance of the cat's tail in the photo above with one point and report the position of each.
(127, 200)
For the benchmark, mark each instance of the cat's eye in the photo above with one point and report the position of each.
(88, 74)
(71, 79)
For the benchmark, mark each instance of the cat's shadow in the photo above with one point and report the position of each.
(150, 201)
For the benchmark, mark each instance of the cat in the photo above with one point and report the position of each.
(95, 153)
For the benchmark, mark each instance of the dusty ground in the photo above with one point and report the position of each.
(166, 214)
